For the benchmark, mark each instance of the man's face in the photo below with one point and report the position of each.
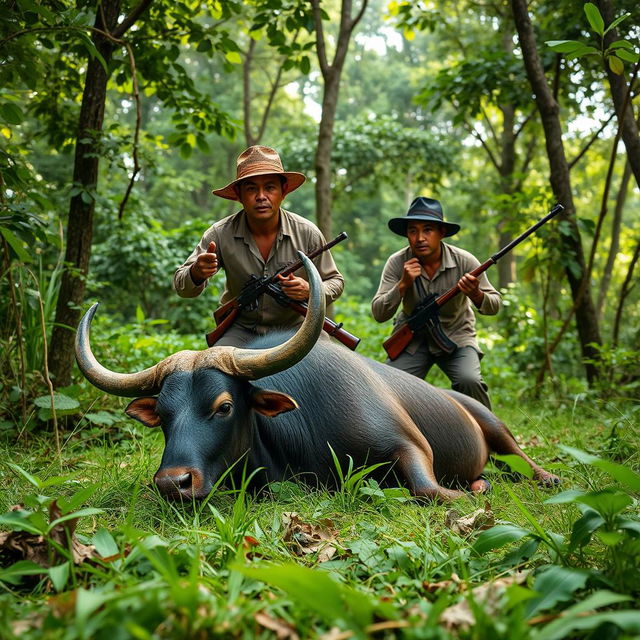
(261, 196)
(424, 238)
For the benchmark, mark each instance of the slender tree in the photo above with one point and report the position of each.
(586, 317)
(106, 35)
(331, 75)
(621, 93)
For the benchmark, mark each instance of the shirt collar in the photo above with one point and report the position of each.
(242, 230)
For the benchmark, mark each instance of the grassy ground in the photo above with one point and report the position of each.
(362, 562)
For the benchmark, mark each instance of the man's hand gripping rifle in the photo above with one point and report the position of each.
(426, 314)
(227, 313)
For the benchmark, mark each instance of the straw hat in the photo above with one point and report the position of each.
(426, 210)
(259, 161)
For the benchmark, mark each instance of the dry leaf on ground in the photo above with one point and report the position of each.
(488, 596)
(464, 525)
(282, 629)
(304, 538)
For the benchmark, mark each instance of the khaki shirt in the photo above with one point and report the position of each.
(240, 257)
(456, 316)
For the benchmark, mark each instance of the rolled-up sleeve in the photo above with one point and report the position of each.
(332, 280)
(387, 298)
(183, 284)
(492, 300)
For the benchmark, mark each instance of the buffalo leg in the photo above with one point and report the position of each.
(416, 464)
(501, 441)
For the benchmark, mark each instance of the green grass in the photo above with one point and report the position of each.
(223, 569)
(558, 563)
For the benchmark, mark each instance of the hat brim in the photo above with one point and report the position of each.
(294, 180)
(399, 225)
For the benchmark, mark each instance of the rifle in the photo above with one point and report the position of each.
(227, 313)
(426, 314)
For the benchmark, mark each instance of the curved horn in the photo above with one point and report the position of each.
(258, 363)
(243, 363)
(120, 384)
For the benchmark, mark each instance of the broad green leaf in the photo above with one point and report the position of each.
(616, 65)
(16, 244)
(629, 56)
(34, 480)
(573, 618)
(564, 46)
(609, 538)
(594, 18)
(62, 404)
(59, 576)
(92, 51)
(616, 22)
(498, 536)
(565, 497)
(517, 464)
(316, 591)
(29, 5)
(11, 113)
(555, 584)
(607, 502)
(89, 511)
(622, 474)
(14, 573)
(233, 57)
(20, 521)
(104, 543)
(584, 527)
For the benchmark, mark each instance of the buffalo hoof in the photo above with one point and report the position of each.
(481, 485)
(546, 479)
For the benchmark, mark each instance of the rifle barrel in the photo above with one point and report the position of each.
(314, 254)
(447, 295)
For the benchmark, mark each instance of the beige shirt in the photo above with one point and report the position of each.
(240, 257)
(456, 316)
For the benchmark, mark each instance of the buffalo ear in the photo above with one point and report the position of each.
(144, 410)
(271, 403)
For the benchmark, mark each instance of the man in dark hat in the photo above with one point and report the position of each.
(259, 239)
(429, 265)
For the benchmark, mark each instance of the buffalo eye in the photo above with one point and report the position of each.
(224, 409)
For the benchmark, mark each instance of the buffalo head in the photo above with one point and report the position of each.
(203, 400)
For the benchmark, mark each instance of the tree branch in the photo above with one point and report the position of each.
(130, 20)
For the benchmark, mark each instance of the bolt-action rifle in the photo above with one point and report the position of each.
(426, 314)
(256, 286)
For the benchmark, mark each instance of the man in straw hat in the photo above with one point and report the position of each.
(259, 239)
(429, 265)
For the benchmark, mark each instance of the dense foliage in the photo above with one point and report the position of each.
(434, 100)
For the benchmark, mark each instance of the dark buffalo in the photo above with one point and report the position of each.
(313, 396)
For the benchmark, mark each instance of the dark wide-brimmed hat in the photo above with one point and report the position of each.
(425, 210)
(259, 161)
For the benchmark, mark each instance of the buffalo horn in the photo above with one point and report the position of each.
(243, 363)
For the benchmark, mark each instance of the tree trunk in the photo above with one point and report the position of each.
(616, 225)
(619, 93)
(331, 74)
(507, 264)
(586, 318)
(85, 178)
(82, 205)
(323, 153)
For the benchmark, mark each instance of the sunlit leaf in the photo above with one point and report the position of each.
(498, 536)
(594, 17)
(616, 65)
(555, 584)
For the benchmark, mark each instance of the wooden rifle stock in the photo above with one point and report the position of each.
(213, 336)
(399, 340)
(334, 329)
